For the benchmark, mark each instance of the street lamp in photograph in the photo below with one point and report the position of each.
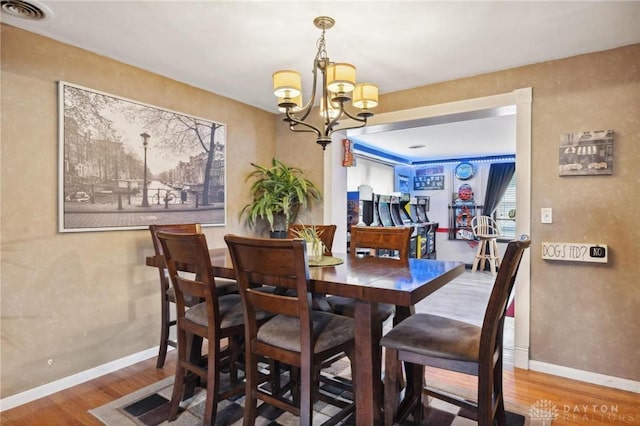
(145, 199)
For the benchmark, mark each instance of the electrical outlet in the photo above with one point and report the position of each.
(546, 215)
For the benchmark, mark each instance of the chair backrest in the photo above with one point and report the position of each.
(327, 232)
(189, 228)
(492, 325)
(484, 226)
(189, 266)
(186, 228)
(274, 262)
(381, 237)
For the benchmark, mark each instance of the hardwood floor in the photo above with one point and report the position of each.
(577, 403)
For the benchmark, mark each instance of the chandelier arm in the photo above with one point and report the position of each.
(293, 129)
(360, 119)
(297, 121)
(328, 128)
(362, 124)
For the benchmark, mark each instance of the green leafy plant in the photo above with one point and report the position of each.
(278, 193)
(312, 235)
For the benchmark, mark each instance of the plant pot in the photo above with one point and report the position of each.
(314, 251)
(278, 234)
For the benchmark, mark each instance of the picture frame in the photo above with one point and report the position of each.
(586, 153)
(124, 164)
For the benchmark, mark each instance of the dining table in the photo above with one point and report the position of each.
(369, 280)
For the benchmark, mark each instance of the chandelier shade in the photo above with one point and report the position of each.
(336, 83)
(287, 83)
(365, 95)
(341, 78)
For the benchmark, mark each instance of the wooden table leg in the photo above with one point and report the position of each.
(368, 383)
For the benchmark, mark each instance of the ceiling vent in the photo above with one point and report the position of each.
(31, 10)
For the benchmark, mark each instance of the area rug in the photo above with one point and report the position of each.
(149, 407)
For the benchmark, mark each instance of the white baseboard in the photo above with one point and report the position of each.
(586, 376)
(521, 358)
(75, 379)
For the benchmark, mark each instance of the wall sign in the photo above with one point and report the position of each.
(465, 171)
(575, 252)
(428, 182)
(433, 170)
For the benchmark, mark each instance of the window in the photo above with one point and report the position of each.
(505, 214)
(380, 176)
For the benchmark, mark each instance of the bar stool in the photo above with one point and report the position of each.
(486, 231)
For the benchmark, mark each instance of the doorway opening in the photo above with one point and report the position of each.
(335, 183)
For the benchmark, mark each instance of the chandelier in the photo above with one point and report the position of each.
(338, 88)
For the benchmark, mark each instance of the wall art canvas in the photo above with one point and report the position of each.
(125, 165)
(586, 153)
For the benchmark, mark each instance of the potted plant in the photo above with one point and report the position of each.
(312, 236)
(278, 192)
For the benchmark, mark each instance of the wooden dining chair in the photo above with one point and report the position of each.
(167, 293)
(374, 239)
(431, 340)
(381, 240)
(327, 233)
(215, 319)
(297, 335)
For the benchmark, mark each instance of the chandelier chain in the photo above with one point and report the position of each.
(321, 44)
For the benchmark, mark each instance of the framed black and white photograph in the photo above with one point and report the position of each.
(125, 165)
(586, 153)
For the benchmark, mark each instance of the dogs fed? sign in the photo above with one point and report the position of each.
(575, 252)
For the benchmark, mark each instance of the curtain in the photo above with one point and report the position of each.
(500, 175)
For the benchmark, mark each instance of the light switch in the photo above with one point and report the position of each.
(546, 215)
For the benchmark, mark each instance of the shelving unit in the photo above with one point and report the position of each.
(460, 215)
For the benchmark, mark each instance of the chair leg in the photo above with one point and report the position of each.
(492, 256)
(234, 353)
(498, 392)
(351, 355)
(391, 386)
(213, 382)
(478, 262)
(497, 253)
(178, 382)
(415, 384)
(306, 392)
(164, 332)
(251, 384)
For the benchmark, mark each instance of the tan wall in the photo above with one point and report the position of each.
(84, 299)
(583, 316)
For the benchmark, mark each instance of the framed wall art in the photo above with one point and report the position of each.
(125, 165)
(586, 153)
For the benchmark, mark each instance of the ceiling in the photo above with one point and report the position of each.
(232, 47)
